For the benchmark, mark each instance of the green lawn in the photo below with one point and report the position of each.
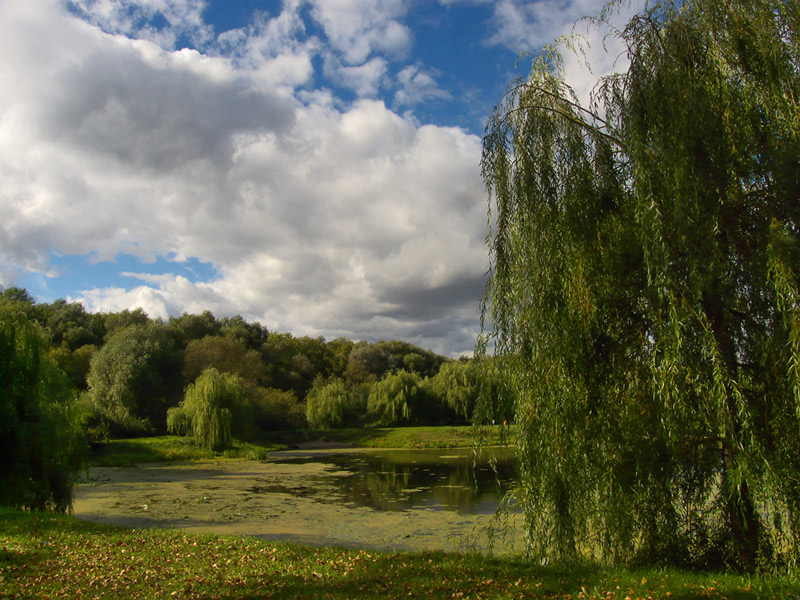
(395, 437)
(170, 448)
(53, 556)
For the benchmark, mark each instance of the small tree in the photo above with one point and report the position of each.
(326, 405)
(40, 442)
(210, 411)
(396, 399)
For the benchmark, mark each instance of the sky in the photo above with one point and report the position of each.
(313, 165)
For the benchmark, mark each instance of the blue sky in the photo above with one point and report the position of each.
(310, 164)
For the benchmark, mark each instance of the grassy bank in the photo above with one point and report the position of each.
(393, 437)
(170, 448)
(49, 556)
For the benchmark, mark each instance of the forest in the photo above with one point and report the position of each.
(135, 376)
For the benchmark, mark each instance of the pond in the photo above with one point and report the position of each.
(382, 499)
(398, 480)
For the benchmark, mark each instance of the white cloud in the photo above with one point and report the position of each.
(364, 80)
(272, 48)
(317, 220)
(417, 86)
(134, 18)
(358, 28)
(523, 26)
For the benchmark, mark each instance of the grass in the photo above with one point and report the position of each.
(54, 556)
(170, 448)
(393, 437)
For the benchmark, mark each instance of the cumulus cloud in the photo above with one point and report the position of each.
(523, 26)
(417, 86)
(135, 18)
(358, 28)
(275, 50)
(364, 80)
(318, 219)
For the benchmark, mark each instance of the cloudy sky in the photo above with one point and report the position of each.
(310, 164)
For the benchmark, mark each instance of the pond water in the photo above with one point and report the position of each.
(401, 480)
(383, 499)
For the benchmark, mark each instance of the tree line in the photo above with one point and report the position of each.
(138, 376)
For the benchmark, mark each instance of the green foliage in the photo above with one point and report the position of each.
(71, 327)
(40, 442)
(75, 364)
(367, 363)
(189, 327)
(118, 321)
(252, 335)
(457, 385)
(338, 351)
(133, 378)
(397, 399)
(276, 409)
(293, 363)
(644, 291)
(402, 355)
(178, 421)
(226, 354)
(131, 452)
(214, 406)
(326, 405)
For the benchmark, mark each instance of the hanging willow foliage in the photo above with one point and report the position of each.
(41, 441)
(644, 291)
(208, 410)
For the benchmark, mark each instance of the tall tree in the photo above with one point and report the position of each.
(134, 377)
(40, 441)
(644, 290)
(226, 354)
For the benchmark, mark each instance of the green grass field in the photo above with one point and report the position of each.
(170, 448)
(395, 437)
(53, 556)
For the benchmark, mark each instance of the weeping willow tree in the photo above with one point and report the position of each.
(644, 291)
(41, 441)
(396, 399)
(326, 404)
(210, 411)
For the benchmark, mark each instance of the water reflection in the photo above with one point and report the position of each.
(398, 480)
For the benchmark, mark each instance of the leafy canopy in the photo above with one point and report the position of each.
(40, 440)
(212, 409)
(644, 290)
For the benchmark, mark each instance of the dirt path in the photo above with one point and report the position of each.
(227, 496)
